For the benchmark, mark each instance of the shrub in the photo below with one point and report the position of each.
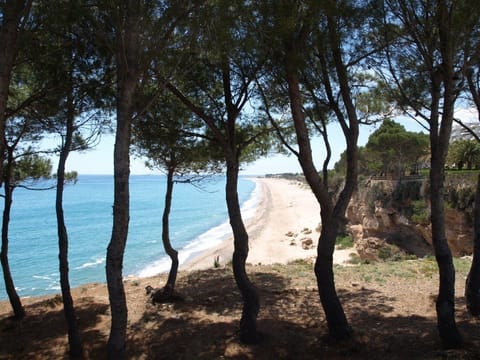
(344, 241)
(460, 198)
(405, 192)
(420, 214)
(390, 252)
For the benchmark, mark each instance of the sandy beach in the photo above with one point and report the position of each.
(284, 228)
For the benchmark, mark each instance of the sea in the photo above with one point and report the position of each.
(198, 221)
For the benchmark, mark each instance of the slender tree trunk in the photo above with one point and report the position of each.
(116, 247)
(17, 306)
(336, 319)
(251, 302)
(472, 286)
(337, 322)
(439, 142)
(13, 12)
(439, 138)
(172, 275)
(227, 141)
(127, 57)
(167, 292)
(445, 304)
(74, 340)
(338, 326)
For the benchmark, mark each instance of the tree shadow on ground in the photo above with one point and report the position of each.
(216, 292)
(388, 334)
(43, 334)
(205, 325)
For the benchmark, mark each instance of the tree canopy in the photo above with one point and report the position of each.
(393, 151)
(464, 154)
(192, 84)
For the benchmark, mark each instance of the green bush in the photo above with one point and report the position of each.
(344, 241)
(405, 192)
(354, 259)
(460, 198)
(390, 252)
(420, 212)
(385, 253)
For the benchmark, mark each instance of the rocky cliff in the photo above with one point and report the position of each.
(382, 222)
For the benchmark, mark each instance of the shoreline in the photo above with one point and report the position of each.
(224, 250)
(284, 228)
(286, 214)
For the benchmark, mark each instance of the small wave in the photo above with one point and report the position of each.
(205, 241)
(157, 267)
(42, 277)
(52, 283)
(249, 207)
(91, 264)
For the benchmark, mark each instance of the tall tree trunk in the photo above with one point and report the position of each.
(116, 247)
(251, 302)
(336, 319)
(13, 12)
(472, 286)
(172, 275)
(127, 57)
(445, 304)
(17, 306)
(338, 327)
(167, 292)
(74, 340)
(439, 142)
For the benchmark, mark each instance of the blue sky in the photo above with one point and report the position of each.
(100, 159)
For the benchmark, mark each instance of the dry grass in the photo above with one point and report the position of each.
(390, 306)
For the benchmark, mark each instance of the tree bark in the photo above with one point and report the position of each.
(337, 322)
(251, 302)
(127, 57)
(13, 12)
(167, 292)
(172, 275)
(439, 141)
(225, 133)
(116, 247)
(472, 286)
(18, 310)
(74, 340)
(445, 304)
(338, 327)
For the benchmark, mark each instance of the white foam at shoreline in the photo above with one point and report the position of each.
(205, 241)
(96, 262)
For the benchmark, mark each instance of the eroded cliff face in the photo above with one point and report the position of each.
(458, 230)
(380, 221)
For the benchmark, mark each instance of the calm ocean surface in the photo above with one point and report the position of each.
(198, 221)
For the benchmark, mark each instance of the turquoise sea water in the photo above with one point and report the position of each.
(198, 221)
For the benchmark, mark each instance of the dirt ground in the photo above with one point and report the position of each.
(390, 306)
